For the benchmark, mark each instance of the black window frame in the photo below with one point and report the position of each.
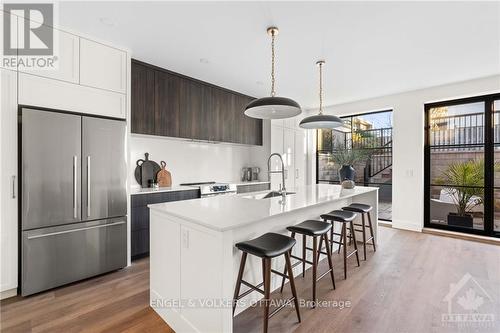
(489, 157)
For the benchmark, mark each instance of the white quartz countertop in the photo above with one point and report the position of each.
(253, 182)
(149, 190)
(225, 212)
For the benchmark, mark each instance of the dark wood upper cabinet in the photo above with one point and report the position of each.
(169, 104)
(143, 99)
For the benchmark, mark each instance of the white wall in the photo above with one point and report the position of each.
(190, 161)
(408, 140)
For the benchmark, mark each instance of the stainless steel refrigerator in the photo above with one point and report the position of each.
(73, 198)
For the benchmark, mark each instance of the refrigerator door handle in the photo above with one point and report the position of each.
(76, 230)
(75, 193)
(88, 185)
(13, 187)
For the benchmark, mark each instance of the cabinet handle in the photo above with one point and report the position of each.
(88, 185)
(296, 173)
(13, 187)
(185, 236)
(75, 160)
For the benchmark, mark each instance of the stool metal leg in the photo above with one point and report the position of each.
(292, 284)
(355, 243)
(364, 235)
(266, 272)
(371, 231)
(238, 281)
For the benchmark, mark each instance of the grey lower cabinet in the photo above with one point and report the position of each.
(139, 216)
(247, 188)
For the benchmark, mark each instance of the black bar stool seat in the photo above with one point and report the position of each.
(345, 217)
(339, 216)
(358, 208)
(266, 247)
(363, 209)
(269, 245)
(311, 228)
(314, 229)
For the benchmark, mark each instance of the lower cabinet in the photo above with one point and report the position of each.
(140, 216)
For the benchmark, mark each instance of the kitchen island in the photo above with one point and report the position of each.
(193, 261)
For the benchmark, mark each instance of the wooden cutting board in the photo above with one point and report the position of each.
(163, 177)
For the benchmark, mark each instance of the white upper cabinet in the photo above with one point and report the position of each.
(102, 66)
(300, 158)
(13, 24)
(66, 62)
(290, 141)
(289, 157)
(8, 180)
(55, 94)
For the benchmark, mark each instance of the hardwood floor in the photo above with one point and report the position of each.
(400, 288)
(116, 302)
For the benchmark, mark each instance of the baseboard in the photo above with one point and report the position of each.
(386, 224)
(459, 235)
(405, 225)
(8, 293)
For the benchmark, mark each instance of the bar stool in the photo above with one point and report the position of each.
(267, 246)
(313, 229)
(344, 217)
(362, 209)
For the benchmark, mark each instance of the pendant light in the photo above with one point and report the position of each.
(321, 121)
(272, 107)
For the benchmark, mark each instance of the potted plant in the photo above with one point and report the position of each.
(463, 182)
(346, 158)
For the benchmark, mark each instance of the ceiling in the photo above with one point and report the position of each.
(371, 48)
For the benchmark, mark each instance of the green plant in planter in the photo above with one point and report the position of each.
(464, 182)
(343, 156)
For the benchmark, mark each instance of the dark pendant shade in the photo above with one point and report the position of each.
(272, 108)
(321, 121)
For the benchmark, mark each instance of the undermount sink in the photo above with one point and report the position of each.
(267, 195)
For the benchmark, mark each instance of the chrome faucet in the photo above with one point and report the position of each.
(282, 171)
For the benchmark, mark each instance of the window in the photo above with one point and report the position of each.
(370, 133)
(460, 176)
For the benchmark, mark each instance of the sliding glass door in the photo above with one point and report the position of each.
(462, 184)
(371, 135)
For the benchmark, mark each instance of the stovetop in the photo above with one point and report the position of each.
(212, 188)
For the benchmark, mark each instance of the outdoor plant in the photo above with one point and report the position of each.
(464, 182)
(344, 156)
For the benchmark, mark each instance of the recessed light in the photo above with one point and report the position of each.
(107, 22)
(204, 61)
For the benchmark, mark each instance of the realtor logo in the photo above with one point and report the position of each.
(27, 31)
(469, 305)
